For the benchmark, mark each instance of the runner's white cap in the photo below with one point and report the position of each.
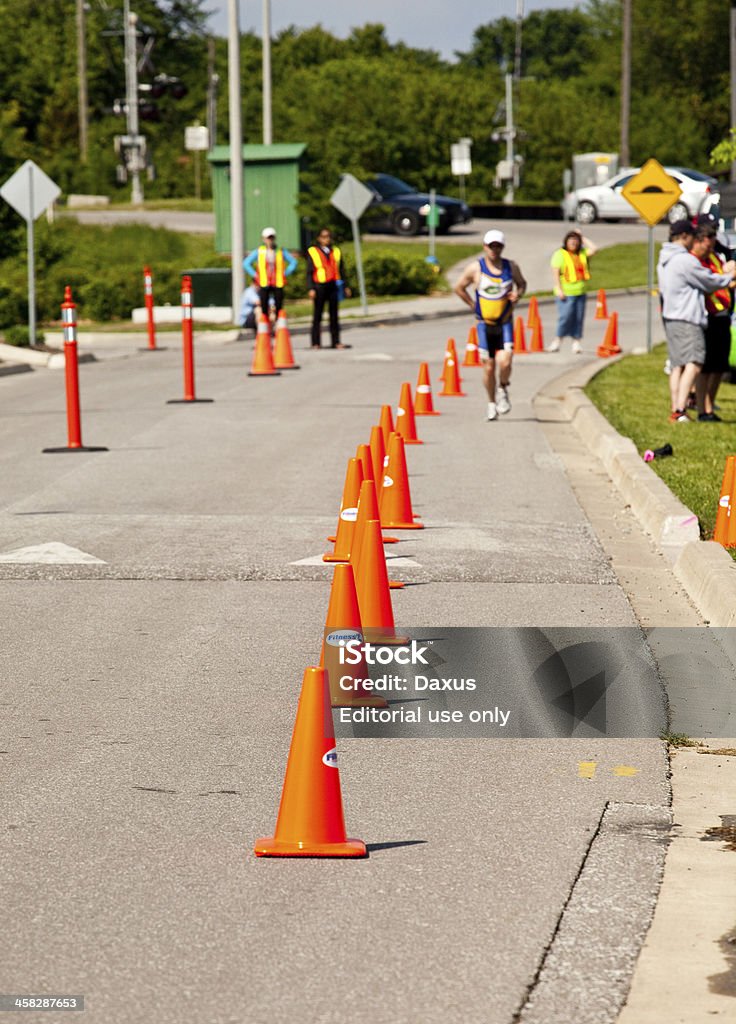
(268, 233)
(494, 236)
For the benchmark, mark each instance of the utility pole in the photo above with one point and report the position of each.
(517, 47)
(131, 100)
(82, 101)
(625, 156)
(510, 133)
(266, 64)
(236, 156)
(733, 78)
(213, 80)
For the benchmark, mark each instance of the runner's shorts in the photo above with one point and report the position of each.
(493, 338)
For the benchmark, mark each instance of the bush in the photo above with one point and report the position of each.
(389, 274)
(19, 335)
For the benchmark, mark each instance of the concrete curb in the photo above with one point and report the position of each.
(704, 568)
(33, 358)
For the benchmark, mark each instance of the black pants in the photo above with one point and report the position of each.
(325, 293)
(270, 292)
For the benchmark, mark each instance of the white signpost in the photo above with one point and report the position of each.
(197, 140)
(460, 162)
(352, 198)
(29, 191)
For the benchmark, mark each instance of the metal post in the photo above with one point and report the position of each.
(509, 197)
(432, 221)
(266, 64)
(359, 264)
(31, 261)
(213, 80)
(236, 157)
(650, 287)
(625, 80)
(131, 99)
(82, 101)
(733, 78)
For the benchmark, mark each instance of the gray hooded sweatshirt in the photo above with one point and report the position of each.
(683, 284)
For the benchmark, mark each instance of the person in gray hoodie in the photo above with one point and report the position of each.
(683, 284)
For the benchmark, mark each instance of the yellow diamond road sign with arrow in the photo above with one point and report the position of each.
(652, 192)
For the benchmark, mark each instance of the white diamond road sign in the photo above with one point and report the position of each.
(351, 197)
(29, 191)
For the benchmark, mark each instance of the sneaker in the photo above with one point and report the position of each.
(503, 405)
(577, 348)
(679, 416)
(667, 368)
(492, 411)
(709, 417)
(554, 345)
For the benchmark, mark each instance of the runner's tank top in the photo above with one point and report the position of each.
(491, 297)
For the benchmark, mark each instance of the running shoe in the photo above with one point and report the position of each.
(503, 405)
(679, 416)
(554, 345)
(577, 348)
(492, 411)
(709, 417)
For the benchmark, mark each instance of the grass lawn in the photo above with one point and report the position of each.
(633, 395)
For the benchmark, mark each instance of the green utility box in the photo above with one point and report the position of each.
(211, 286)
(271, 193)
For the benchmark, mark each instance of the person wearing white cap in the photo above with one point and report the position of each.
(498, 284)
(269, 265)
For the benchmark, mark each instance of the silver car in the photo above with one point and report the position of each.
(605, 202)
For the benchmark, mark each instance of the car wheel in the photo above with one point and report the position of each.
(586, 213)
(406, 222)
(678, 212)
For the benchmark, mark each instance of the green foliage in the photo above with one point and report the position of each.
(388, 273)
(20, 336)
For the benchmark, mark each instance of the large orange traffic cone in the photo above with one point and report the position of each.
(283, 357)
(601, 310)
(343, 623)
(471, 348)
(378, 460)
(367, 509)
(310, 821)
(396, 510)
(532, 316)
(450, 353)
(363, 453)
(726, 503)
(387, 424)
(423, 405)
(519, 339)
(537, 343)
(374, 596)
(610, 346)
(405, 423)
(451, 379)
(348, 513)
(263, 356)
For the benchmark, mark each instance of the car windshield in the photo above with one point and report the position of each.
(696, 175)
(389, 186)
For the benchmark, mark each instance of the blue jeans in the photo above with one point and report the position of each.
(570, 316)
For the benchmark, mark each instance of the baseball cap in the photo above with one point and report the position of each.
(494, 236)
(681, 227)
(268, 233)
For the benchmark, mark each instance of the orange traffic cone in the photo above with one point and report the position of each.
(471, 348)
(725, 513)
(348, 513)
(423, 405)
(367, 509)
(363, 454)
(374, 596)
(283, 357)
(532, 316)
(343, 624)
(378, 459)
(450, 353)
(537, 343)
(610, 346)
(386, 423)
(451, 379)
(519, 339)
(601, 310)
(310, 821)
(263, 357)
(405, 423)
(396, 510)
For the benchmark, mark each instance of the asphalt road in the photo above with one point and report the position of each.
(149, 697)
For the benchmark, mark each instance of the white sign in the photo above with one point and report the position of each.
(196, 136)
(460, 161)
(29, 191)
(351, 197)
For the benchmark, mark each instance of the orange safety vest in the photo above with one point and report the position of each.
(325, 267)
(270, 276)
(719, 301)
(575, 270)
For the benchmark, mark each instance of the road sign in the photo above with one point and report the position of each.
(351, 197)
(196, 137)
(652, 192)
(460, 162)
(29, 191)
